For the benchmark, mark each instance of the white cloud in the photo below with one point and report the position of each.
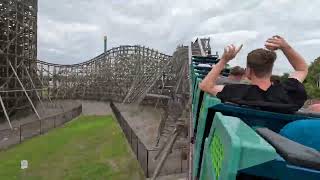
(239, 37)
(309, 42)
(75, 28)
(57, 51)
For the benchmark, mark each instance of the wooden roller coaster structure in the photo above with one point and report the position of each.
(18, 52)
(125, 74)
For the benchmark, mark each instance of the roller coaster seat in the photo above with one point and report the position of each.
(258, 118)
(196, 102)
(305, 132)
(232, 146)
(295, 161)
(205, 58)
(293, 152)
(201, 127)
(203, 70)
(278, 169)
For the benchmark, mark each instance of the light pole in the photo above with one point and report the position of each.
(105, 43)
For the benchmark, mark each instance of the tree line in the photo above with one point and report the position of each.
(312, 80)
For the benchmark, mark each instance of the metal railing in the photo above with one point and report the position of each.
(174, 164)
(18, 134)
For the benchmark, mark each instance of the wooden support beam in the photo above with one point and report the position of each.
(158, 96)
(201, 48)
(5, 112)
(25, 92)
(33, 86)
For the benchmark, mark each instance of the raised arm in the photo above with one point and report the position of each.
(296, 60)
(208, 84)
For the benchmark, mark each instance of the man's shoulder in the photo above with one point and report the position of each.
(226, 81)
(291, 81)
(292, 84)
(222, 80)
(237, 87)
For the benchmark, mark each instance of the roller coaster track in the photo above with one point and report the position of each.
(177, 107)
(128, 74)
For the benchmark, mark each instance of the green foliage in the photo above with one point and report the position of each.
(284, 77)
(275, 79)
(312, 78)
(90, 147)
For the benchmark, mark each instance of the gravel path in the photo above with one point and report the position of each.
(95, 108)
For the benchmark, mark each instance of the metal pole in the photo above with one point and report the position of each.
(105, 43)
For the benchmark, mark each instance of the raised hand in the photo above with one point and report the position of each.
(276, 42)
(230, 52)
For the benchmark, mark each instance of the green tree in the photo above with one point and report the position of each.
(312, 79)
(275, 79)
(284, 77)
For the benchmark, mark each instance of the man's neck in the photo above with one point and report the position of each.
(262, 83)
(234, 78)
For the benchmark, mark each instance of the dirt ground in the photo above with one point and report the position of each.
(144, 120)
(95, 108)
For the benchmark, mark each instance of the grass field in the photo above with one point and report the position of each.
(91, 147)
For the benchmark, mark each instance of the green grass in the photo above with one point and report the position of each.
(91, 147)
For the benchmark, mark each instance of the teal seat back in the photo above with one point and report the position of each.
(197, 100)
(232, 146)
(200, 126)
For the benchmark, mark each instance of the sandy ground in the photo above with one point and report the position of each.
(144, 120)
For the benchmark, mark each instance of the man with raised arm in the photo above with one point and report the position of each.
(235, 77)
(287, 97)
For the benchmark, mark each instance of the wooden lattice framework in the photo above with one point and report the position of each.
(129, 74)
(18, 54)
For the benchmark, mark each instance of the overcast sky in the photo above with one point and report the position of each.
(71, 31)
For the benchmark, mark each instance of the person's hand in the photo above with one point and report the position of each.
(230, 52)
(276, 42)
